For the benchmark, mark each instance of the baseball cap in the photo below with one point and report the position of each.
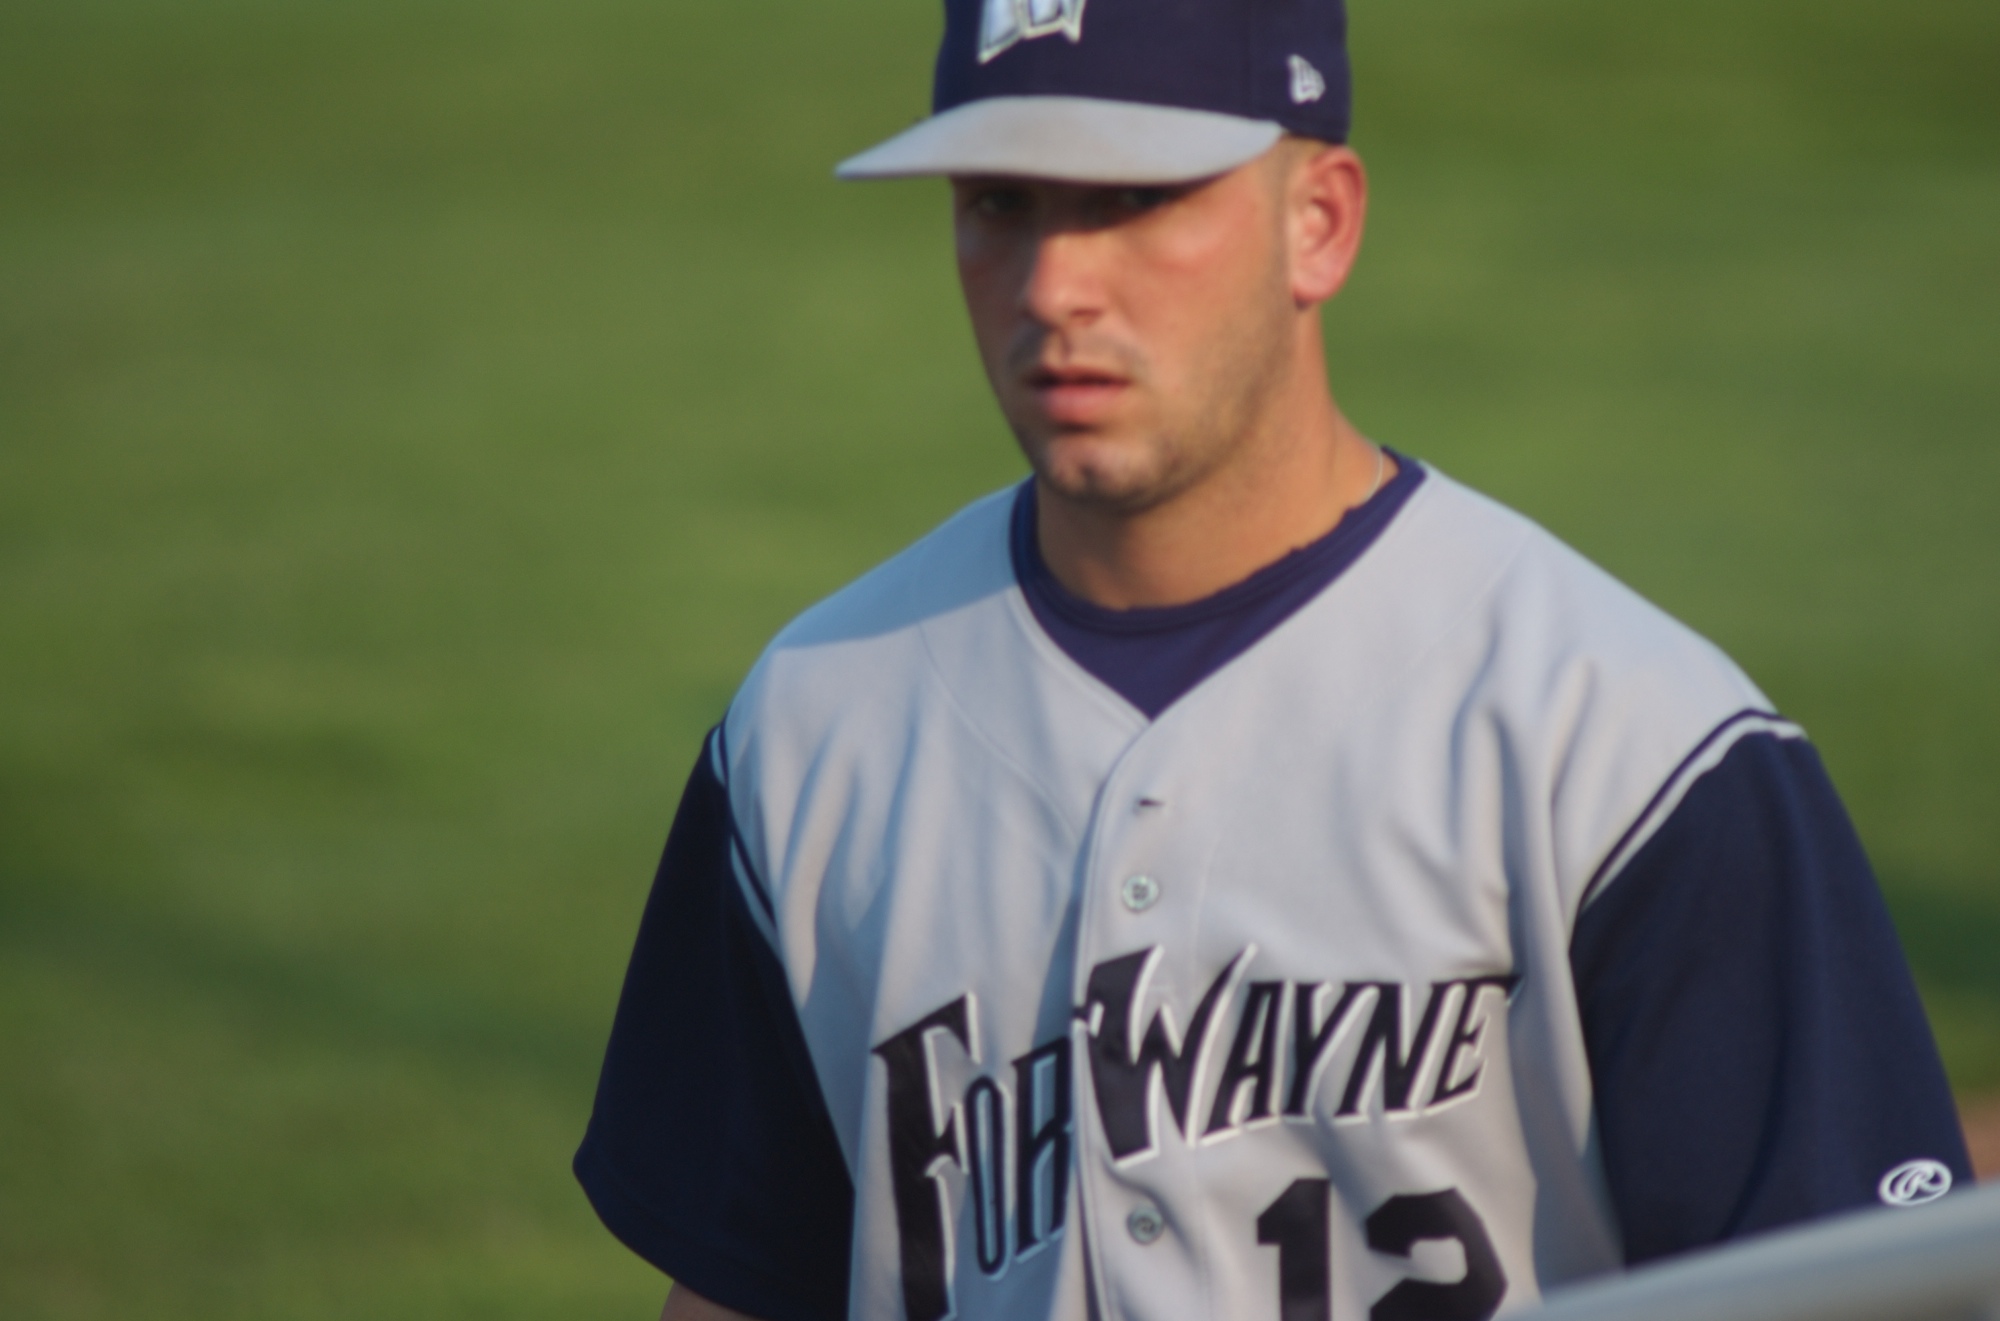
(1122, 91)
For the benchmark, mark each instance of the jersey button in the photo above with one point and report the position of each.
(1145, 1224)
(1139, 893)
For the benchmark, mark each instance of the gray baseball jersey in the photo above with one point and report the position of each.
(1433, 938)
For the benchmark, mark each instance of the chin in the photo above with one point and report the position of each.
(1110, 469)
(1121, 486)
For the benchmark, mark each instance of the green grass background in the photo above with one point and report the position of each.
(414, 416)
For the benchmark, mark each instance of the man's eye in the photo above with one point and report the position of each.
(998, 203)
(1142, 199)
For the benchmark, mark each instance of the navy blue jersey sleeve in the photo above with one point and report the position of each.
(710, 1152)
(1756, 1043)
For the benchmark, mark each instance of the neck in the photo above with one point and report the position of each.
(1285, 484)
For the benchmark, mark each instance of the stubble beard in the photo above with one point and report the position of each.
(1177, 442)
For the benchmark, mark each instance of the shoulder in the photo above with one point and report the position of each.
(962, 561)
(838, 690)
(863, 639)
(1613, 699)
(1539, 616)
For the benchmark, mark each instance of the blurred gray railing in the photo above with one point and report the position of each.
(1939, 1262)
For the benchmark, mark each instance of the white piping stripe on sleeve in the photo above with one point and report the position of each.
(754, 897)
(716, 761)
(1708, 754)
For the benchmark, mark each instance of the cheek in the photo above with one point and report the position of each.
(985, 280)
(984, 304)
(1200, 270)
(1191, 299)
(1238, 271)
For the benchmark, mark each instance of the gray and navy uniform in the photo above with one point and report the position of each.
(1417, 925)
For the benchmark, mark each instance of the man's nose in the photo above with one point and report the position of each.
(1064, 284)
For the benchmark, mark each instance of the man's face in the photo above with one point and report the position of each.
(1131, 334)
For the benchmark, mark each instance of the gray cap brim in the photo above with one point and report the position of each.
(1075, 139)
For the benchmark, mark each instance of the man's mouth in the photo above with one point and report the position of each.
(1076, 396)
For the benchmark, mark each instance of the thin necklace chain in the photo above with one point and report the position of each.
(1381, 467)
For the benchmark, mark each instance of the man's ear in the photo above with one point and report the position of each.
(1327, 205)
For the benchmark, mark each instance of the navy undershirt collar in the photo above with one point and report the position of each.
(1152, 656)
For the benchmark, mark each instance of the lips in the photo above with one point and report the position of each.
(1076, 396)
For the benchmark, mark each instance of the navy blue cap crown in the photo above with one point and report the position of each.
(1278, 60)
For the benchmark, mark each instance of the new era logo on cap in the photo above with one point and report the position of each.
(1155, 91)
(1307, 84)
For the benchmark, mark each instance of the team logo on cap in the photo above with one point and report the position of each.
(1004, 22)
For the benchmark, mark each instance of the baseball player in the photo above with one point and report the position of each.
(1239, 872)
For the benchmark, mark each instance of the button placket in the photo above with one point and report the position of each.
(1140, 845)
(1145, 1224)
(1139, 892)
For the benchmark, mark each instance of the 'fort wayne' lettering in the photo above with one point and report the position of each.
(1420, 1049)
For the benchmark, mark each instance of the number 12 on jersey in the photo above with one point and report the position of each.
(1300, 1226)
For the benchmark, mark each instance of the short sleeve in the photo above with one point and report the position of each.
(710, 1152)
(1757, 1047)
